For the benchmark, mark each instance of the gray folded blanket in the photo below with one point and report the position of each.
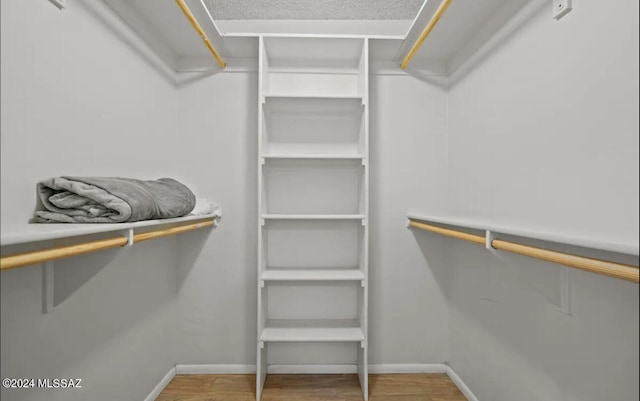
(110, 200)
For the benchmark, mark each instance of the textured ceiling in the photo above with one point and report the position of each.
(314, 9)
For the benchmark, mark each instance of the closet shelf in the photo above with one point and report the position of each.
(329, 156)
(489, 240)
(17, 234)
(618, 246)
(313, 216)
(312, 275)
(127, 234)
(312, 330)
(309, 96)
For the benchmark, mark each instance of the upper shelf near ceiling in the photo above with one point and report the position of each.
(465, 27)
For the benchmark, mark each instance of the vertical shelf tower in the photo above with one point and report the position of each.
(313, 190)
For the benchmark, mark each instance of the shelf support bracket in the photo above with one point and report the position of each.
(565, 290)
(48, 287)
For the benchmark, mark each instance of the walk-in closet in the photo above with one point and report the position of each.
(340, 200)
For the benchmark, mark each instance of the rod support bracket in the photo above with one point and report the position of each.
(489, 237)
(129, 237)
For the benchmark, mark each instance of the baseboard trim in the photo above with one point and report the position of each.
(466, 391)
(390, 368)
(214, 369)
(161, 385)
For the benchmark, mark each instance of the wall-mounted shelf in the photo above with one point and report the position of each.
(16, 234)
(576, 239)
(38, 236)
(489, 239)
(462, 30)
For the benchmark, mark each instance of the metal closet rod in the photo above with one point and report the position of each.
(612, 269)
(427, 30)
(45, 255)
(194, 22)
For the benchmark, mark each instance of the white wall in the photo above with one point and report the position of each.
(407, 308)
(218, 294)
(77, 101)
(544, 132)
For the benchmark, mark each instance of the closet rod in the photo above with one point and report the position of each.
(45, 255)
(478, 239)
(170, 231)
(612, 269)
(32, 258)
(192, 19)
(427, 30)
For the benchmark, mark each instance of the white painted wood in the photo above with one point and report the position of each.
(312, 330)
(276, 156)
(312, 275)
(319, 369)
(313, 194)
(17, 234)
(464, 22)
(313, 216)
(214, 369)
(161, 385)
(391, 368)
(576, 239)
(298, 95)
(261, 349)
(466, 391)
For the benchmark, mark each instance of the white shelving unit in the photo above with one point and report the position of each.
(313, 194)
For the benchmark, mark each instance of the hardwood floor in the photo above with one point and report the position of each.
(396, 387)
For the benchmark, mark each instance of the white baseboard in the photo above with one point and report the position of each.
(466, 391)
(389, 368)
(214, 369)
(161, 385)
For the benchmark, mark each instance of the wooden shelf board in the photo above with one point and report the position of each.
(312, 330)
(575, 239)
(309, 96)
(312, 275)
(329, 156)
(16, 234)
(313, 216)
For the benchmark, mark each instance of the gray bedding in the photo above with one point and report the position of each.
(110, 200)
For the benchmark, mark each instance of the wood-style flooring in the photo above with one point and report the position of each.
(392, 387)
